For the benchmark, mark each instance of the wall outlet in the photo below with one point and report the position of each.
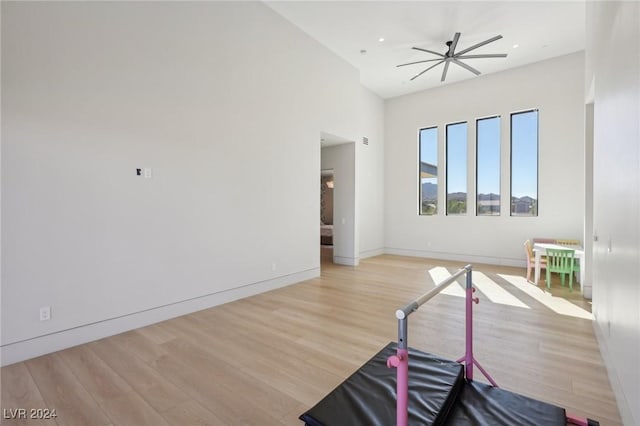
(45, 313)
(274, 266)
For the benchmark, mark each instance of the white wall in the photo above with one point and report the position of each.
(370, 176)
(556, 88)
(223, 100)
(616, 199)
(588, 201)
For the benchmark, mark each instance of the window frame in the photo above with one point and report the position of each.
(437, 147)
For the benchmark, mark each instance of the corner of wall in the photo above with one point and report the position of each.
(623, 404)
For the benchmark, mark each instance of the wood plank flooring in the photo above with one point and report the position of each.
(265, 359)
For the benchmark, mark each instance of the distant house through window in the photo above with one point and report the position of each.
(428, 171)
(524, 163)
(456, 168)
(488, 166)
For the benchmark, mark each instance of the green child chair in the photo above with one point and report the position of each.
(562, 262)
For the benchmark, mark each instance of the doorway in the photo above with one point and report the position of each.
(326, 215)
(338, 156)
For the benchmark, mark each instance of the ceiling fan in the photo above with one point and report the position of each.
(452, 56)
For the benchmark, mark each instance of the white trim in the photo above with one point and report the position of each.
(31, 348)
(349, 261)
(469, 258)
(623, 405)
(587, 291)
(371, 253)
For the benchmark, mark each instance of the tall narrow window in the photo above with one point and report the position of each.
(457, 168)
(488, 166)
(428, 180)
(524, 163)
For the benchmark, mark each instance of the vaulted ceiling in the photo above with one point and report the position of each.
(375, 36)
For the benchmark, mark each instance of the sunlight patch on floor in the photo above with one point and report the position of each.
(439, 274)
(494, 292)
(557, 304)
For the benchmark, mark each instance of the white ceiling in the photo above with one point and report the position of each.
(541, 29)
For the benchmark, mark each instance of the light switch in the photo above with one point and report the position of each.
(147, 173)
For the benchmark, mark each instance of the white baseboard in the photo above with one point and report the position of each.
(467, 258)
(41, 345)
(350, 261)
(623, 405)
(371, 253)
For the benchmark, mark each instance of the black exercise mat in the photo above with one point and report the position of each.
(368, 396)
(480, 404)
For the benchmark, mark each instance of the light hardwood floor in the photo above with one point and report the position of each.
(265, 359)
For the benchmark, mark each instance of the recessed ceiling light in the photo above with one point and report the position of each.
(381, 39)
(515, 46)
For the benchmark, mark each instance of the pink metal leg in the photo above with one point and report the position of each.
(485, 374)
(575, 420)
(401, 362)
(468, 358)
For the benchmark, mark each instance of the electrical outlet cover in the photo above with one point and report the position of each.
(45, 313)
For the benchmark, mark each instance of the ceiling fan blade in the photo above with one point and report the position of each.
(444, 72)
(475, 46)
(454, 43)
(418, 62)
(465, 66)
(432, 66)
(490, 55)
(428, 51)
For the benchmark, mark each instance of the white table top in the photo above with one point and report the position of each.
(543, 246)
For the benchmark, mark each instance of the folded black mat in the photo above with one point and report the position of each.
(480, 404)
(368, 396)
(438, 395)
